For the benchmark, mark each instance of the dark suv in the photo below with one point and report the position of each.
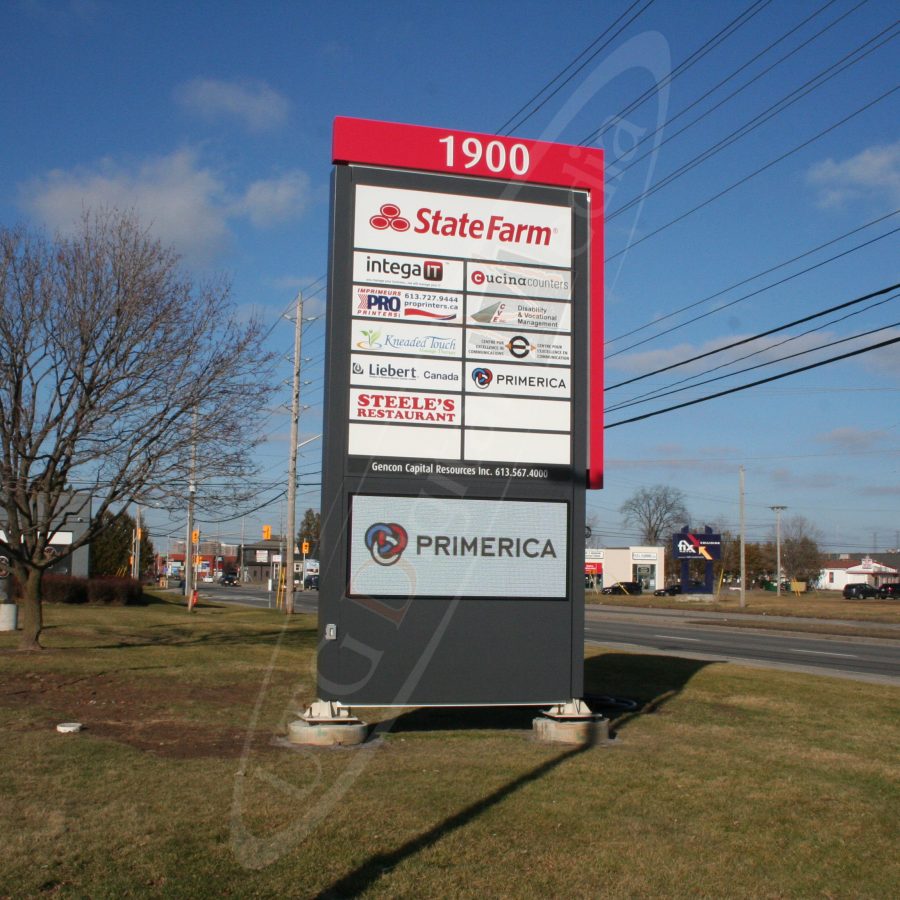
(623, 587)
(889, 591)
(859, 591)
(229, 580)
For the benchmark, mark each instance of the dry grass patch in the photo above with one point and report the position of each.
(727, 782)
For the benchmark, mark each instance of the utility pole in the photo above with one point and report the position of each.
(189, 541)
(292, 463)
(778, 511)
(136, 556)
(743, 596)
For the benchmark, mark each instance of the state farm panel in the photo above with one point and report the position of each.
(404, 441)
(538, 315)
(412, 372)
(405, 407)
(519, 281)
(439, 547)
(518, 381)
(400, 337)
(407, 271)
(512, 346)
(406, 304)
(426, 222)
(505, 412)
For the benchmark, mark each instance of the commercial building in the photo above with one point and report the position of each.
(608, 565)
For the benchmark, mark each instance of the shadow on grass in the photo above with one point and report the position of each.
(464, 718)
(375, 867)
(185, 637)
(649, 681)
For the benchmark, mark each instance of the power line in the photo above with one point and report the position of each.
(656, 394)
(757, 121)
(600, 49)
(734, 93)
(722, 35)
(762, 334)
(744, 281)
(744, 387)
(756, 172)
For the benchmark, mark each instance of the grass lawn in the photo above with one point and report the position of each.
(729, 782)
(814, 604)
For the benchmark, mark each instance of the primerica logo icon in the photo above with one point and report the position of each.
(482, 377)
(437, 222)
(386, 541)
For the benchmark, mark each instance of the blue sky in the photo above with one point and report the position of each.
(214, 122)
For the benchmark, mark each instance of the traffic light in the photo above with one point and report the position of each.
(305, 547)
(267, 532)
(195, 536)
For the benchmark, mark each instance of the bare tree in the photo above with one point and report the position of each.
(115, 368)
(800, 554)
(656, 512)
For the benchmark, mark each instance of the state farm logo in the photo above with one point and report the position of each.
(443, 224)
(386, 542)
(389, 218)
(519, 346)
(482, 377)
(477, 277)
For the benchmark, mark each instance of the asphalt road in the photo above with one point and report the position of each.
(664, 632)
(691, 635)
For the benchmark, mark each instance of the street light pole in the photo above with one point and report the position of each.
(778, 511)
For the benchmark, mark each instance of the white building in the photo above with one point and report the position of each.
(838, 573)
(612, 564)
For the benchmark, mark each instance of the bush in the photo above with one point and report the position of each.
(64, 589)
(114, 591)
(101, 591)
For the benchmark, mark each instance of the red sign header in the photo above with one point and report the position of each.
(466, 153)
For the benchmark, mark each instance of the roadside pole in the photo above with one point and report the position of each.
(743, 548)
(292, 463)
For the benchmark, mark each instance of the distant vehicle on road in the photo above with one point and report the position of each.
(311, 582)
(623, 587)
(669, 591)
(859, 591)
(229, 580)
(889, 591)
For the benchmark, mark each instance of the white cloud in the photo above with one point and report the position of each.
(276, 200)
(182, 202)
(852, 439)
(874, 172)
(253, 103)
(179, 200)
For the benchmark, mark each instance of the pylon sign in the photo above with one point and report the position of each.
(464, 333)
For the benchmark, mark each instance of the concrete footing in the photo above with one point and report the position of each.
(571, 723)
(326, 724)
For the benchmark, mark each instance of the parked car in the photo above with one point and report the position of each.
(623, 587)
(859, 591)
(229, 580)
(889, 591)
(669, 591)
